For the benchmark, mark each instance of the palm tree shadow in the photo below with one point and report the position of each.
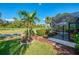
(21, 50)
(17, 51)
(25, 48)
(5, 50)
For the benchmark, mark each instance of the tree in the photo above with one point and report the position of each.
(29, 19)
(16, 22)
(48, 20)
(2, 22)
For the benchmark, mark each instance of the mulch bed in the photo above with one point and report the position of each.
(62, 50)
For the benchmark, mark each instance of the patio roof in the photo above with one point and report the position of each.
(62, 23)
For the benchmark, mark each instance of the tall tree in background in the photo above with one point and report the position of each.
(48, 21)
(17, 22)
(1, 20)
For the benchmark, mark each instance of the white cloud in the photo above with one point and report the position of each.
(9, 19)
(44, 19)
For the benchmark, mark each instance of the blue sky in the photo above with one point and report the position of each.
(10, 10)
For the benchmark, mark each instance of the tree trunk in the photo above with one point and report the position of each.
(69, 31)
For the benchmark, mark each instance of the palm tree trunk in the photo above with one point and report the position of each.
(30, 30)
(27, 32)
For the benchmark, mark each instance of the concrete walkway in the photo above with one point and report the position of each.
(66, 43)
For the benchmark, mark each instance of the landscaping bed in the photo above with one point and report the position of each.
(61, 49)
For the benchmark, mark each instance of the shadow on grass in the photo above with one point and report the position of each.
(6, 48)
(21, 50)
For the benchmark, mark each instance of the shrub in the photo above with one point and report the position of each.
(76, 38)
(47, 31)
(41, 32)
(77, 42)
(77, 47)
(52, 33)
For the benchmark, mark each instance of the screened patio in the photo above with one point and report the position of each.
(66, 30)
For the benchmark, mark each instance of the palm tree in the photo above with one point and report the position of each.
(48, 20)
(29, 19)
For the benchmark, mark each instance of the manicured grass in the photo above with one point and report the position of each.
(40, 48)
(15, 30)
(13, 47)
(12, 31)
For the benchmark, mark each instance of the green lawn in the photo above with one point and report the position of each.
(12, 30)
(13, 47)
(40, 48)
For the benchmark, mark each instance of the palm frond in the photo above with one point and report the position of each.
(33, 14)
(37, 19)
(23, 13)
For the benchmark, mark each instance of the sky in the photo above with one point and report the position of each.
(10, 10)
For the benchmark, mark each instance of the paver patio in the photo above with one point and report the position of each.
(66, 43)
